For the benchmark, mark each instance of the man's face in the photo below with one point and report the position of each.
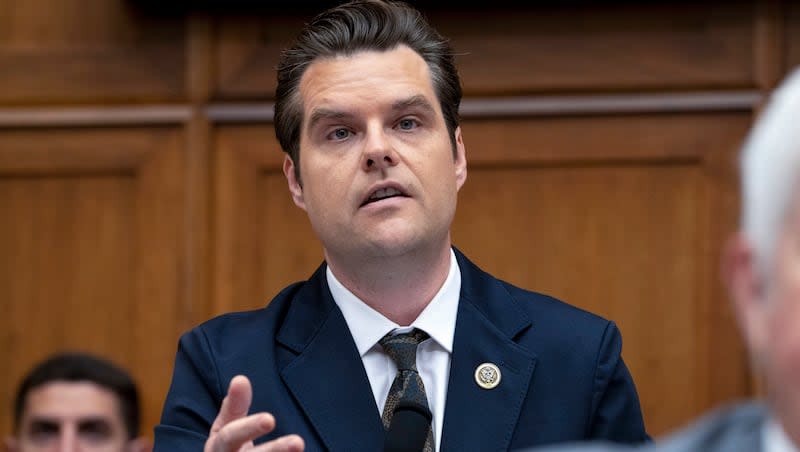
(378, 175)
(782, 325)
(769, 308)
(71, 416)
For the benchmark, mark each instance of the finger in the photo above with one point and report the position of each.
(235, 404)
(288, 443)
(235, 434)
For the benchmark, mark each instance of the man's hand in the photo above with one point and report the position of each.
(234, 430)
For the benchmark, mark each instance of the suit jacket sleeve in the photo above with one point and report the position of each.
(616, 411)
(194, 397)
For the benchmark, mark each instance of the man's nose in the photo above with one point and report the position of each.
(68, 441)
(378, 151)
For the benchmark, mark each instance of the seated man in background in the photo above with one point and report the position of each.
(76, 402)
(761, 268)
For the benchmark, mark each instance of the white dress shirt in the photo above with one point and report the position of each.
(775, 438)
(438, 319)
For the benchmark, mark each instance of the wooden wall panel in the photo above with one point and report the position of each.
(658, 45)
(609, 214)
(792, 34)
(263, 242)
(82, 51)
(247, 52)
(91, 256)
(597, 46)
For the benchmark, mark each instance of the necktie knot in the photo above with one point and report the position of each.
(402, 348)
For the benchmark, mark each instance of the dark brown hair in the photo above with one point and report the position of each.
(78, 367)
(352, 27)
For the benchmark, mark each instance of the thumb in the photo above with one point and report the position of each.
(236, 404)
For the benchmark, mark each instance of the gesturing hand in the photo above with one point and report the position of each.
(234, 431)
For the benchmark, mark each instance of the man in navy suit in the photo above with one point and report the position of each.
(367, 113)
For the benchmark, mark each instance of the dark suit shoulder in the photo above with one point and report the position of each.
(250, 326)
(547, 317)
(537, 302)
(479, 287)
(581, 388)
(551, 317)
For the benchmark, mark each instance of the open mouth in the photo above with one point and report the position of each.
(381, 194)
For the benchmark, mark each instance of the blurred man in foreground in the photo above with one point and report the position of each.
(761, 268)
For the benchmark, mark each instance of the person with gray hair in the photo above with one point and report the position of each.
(761, 268)
(397, 341)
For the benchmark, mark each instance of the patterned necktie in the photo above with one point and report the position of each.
(407, 385)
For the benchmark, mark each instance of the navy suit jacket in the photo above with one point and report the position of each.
(563, 378)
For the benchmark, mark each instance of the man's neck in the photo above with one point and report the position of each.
(399, 287)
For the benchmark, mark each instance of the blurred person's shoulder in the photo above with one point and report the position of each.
(732, 427)
(735, 427)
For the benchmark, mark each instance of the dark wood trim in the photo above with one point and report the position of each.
(610, 104)
(545, 105)
(94, 116)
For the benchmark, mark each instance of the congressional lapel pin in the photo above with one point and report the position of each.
(487, 375)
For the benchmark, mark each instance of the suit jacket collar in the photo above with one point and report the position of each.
(327, 377)
(330, 384)
(488, 321)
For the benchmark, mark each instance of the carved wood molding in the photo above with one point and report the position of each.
(490, 107)
(94, 116)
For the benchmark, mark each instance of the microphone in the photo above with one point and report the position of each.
(409, 427)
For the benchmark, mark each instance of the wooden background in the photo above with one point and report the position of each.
(141, 190)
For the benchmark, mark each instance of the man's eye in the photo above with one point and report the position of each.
(95, 431)
(407, 124)
(340, 134)
(43, 432)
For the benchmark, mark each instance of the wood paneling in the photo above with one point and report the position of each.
(88, 51)
(604, 47)
(263, 242)
(247, 53)
(617, 215)
(792, 35)
(91, 257)
(650, 45)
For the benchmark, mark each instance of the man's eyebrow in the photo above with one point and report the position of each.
(320, 114)
(94, 423)
(418, 101)
(43, 422)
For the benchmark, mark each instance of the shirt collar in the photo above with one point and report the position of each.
(368, 326)
(775, 438)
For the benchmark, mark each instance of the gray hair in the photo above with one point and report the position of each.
(770, 170)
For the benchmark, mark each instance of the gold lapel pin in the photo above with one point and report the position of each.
(487, 375)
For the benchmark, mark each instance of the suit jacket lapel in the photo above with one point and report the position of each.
(487, 323)
(327, 377)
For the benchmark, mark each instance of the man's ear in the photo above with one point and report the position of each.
(295, 185)
(460, 159)
(11, 444)
(140, 444)
(746, 282)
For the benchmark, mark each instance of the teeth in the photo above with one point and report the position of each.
(384, 193)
